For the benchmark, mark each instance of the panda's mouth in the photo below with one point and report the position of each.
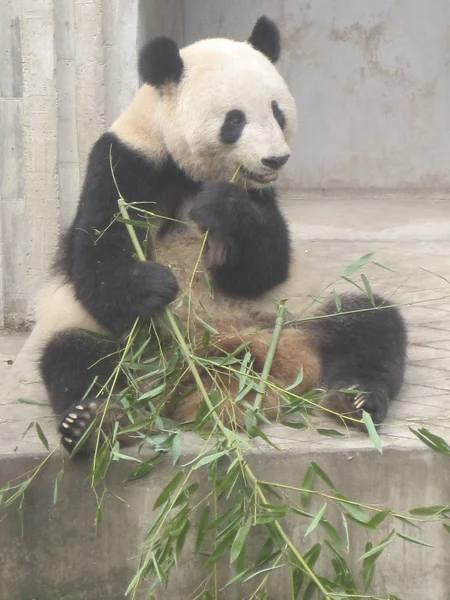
(269, 177)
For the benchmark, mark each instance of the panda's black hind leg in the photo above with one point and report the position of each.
(363, 352)
(69, 363)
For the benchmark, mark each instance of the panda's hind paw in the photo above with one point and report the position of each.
(77, 421)
(350, 405)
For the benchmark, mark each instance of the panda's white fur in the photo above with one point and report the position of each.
(185, 119)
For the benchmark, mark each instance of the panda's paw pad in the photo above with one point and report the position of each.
(76, 421)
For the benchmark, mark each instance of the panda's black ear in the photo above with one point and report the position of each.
(265, 37)
(160, 62)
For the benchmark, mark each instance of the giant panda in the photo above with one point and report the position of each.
(214, 110)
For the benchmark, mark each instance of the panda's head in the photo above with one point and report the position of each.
(222, 104)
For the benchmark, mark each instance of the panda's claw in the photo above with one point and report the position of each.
(359, 401)
(73, 426)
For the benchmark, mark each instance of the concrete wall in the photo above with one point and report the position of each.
(68, 69)
(371, 81)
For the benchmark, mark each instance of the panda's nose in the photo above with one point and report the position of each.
(275, 162)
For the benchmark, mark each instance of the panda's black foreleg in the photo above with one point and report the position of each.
(363, 352)
(69, 363)
(256, 250)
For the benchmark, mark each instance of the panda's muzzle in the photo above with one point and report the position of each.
(274, 163)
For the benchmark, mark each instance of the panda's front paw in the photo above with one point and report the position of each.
(77, 421)
(151, 288)
(220, 206)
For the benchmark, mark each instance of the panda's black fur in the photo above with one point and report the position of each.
(365, 350)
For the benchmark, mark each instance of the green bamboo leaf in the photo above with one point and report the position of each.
(358, 264)
(321, 473)
(368, 568)
(309, 591)
(434, 442)
(330, 432)
(368, 289)
(144, 468)
(42, 437)
(210, 458)
(294, 424)
(220, 549)
(29, 401)
(57, 482)
(333, 534)
(373, 434)
(257, 432)
(316, 520)
(446, 527)
(181, 539)
(430, 511)
(377, 550)
(239, 540)
(378, 518)
(134, 222)
(202, 527)
(170, 487)
(296, 382)
(337, 302)
(265, 552)
(208, 327)
(414, 540)
(157, 391)
(307, 486)
(177, 449)
(354, 510)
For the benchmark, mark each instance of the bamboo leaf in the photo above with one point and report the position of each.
(316, 520)
(321, 473)
(307, 486)
(296, 382)
(57, 482)
(181, 539)
(210, 458)
(378, 518)
(368, 289)
(377, 550)
(434, 442)
(330, 432)
(358, 264)
(42, 437)
(373, 434)
(430, 511)
(239, 540)
(170, 487)
(414, 540)
(202, 527)
(144, 468)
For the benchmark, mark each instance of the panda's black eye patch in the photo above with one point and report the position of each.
(232, 126)
(279, 115)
